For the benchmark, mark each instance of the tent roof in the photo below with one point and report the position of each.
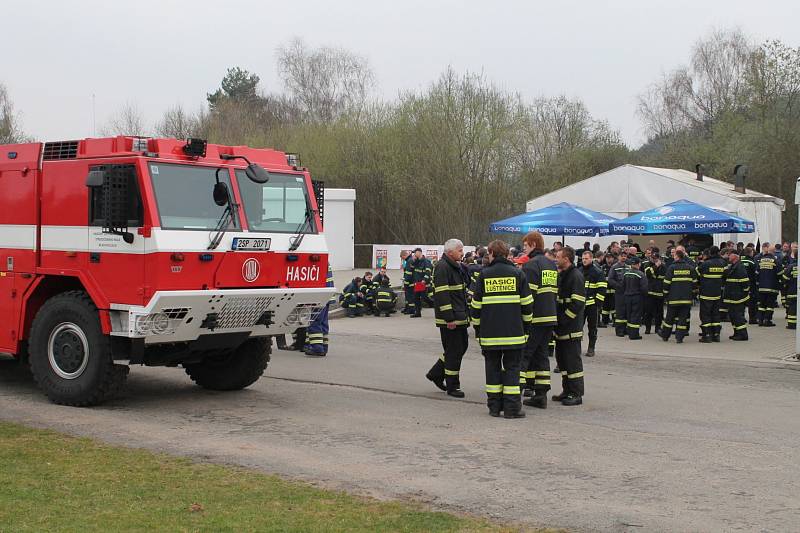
(684, 178)
(711, 184)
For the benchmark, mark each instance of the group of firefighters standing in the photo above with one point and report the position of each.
(515, 312)
(521, 304)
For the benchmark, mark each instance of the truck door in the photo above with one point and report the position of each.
(115, 265)
(8, 322)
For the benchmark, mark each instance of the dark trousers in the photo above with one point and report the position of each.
(752, 305)
(316, 340)
(633, 312)
(791, 310)
(410, 304)
(653, 311)
(736, 316)
(568, 357)
(448, 366)
(502, 379)
(608, 307)
(710, 319)
(678, 316)
(766, 305)
(535, 367)
(620, 318)
(590, 317)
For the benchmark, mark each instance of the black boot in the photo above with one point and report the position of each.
(512, 407)
(539, 400)
(705, 339)
(647, 330)
(590, 352)
(495, 403)
(559, 397)
(572, 399)
(434, 377)
(715, 337)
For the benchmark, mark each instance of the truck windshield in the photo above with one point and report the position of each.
(184, 195)
(278, 206)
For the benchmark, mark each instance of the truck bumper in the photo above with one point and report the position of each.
(184, 316)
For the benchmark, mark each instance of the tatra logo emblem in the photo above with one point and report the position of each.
(250, 270)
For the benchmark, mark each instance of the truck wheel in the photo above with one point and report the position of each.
(70, 357)
(234, 369)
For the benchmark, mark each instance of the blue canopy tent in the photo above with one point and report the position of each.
(559, 219)
(681, 217)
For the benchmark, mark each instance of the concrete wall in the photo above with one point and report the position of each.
(339, 227)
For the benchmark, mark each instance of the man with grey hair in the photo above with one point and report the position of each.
(450, 279)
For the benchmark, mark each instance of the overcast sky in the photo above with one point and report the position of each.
(56, 54)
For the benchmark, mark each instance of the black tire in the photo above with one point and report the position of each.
(234, 369)
(70, 357)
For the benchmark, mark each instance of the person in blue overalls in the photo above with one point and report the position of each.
(317, 333)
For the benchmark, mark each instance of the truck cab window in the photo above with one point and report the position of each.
(135, 209)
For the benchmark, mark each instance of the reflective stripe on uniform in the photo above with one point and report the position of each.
(450, 372)
(494, 389)
(511, 390)
(503, 341)
(576, 375)
(442, 288)
(568, 336)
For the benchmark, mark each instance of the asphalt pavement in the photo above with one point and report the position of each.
(671, 437)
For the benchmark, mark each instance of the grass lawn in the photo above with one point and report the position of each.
(52, 482)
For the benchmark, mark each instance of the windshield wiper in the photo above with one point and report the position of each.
(297, 240)
(228, 215)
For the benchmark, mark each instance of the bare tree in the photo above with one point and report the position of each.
(10, 131)
(324, 83)
(127, 121)
(695, 96)
(177, 123)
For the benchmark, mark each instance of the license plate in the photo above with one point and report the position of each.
(240, 243)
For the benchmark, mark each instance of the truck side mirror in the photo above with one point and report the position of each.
(221, 194)
(256, 173)
(95, 178)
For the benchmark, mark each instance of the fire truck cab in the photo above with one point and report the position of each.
(129, 250)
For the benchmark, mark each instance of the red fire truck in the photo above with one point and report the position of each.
(130, 250)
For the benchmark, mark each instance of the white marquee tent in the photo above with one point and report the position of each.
(631, 189)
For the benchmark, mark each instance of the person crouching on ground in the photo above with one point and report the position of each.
(385, 298)
(450, 309)
(502, 315)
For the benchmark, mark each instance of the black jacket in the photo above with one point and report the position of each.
(655, 279)
(634, 283)
(736, 282)
(450, 293)
(789, 277)
(501, 306)
(571, 300)
(679, 283)
(709, 276)
(595, 283)
(419, 270)
(385, 298)
(542, 276)
(615, 276)
(767, 271)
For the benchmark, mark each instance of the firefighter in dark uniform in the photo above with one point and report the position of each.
(607, 311)
(634, 291)
(542, 277)
(709, 277)
(752, 302)
(408, 289)
(569, 330)
(385, 298)
(452, 318)
(736, 294)
(654, 303)
(790, 285)
(767, 274)
(678, 288)
(317, 333)
(421, 270)
(351, 298)
(615, 282)
(595, 285)
(502, 314)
